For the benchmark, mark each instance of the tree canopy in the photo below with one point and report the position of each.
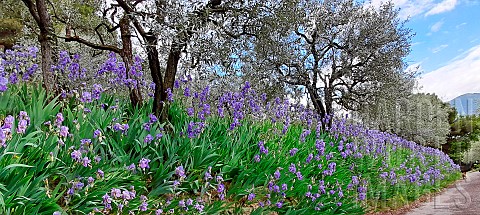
(336, 54)
(340, 53)
(422, 118)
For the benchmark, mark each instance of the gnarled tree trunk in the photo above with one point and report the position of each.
(154, 65)
(170, 72)
(47, 41)
(127, 56)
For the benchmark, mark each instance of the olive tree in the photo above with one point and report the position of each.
(186, 35)
(422, 118)
(339, 52)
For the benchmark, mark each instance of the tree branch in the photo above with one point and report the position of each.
(110, 30)
(31, 7)
(129, 11)
(90, 44)
(55, 13)
(303, 36)
(137, 2)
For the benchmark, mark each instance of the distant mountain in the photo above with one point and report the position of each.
(467, 104)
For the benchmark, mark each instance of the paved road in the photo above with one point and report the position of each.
(461, 199)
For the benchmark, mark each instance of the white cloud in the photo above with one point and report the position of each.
(439, 48)
(408, 8)
(460, 76)
(471, 2)
(444, 6)
(416, 43)
(412, 8)
(436, 27)
(460, 25)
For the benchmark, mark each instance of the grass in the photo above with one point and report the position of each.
(343, 170)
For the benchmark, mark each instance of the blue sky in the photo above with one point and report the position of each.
(446, 46)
